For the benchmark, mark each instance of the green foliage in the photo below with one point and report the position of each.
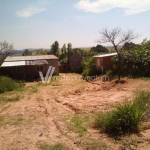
(55, 48)
(6, 49)
(124, 118)
(69, 49)
(88, 65)
(99, 49)
(41, 52)
(9, 99)
(135, 60)
(27, 52)
(11, 121)
(63, 52)
(78, 124)
(57, 146)
(33, 90)
(142, 101)
(8, 84)
(64, 61)
(95, 145)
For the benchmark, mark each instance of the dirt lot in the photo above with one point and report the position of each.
(61, 114)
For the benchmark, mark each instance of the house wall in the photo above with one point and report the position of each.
(75, 63)
(14, 72)
(32, 72)
(104, 62)
(54, 63)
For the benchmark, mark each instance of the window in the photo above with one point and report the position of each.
(98, 62)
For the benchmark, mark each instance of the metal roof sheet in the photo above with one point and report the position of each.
(36, 62)
(21, 58)
(106, 55)
(11, 64)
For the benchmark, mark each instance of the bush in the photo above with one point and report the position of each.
(89, 69)
(142, 101)
(8, 84)
(124, 118)
(64, 61)
(135, 61)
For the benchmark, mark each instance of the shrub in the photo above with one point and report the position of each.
(135, 61)
(8, 84)
(89, 69)
(142, 101)
(124, 118)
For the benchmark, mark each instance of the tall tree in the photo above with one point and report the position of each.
(55, 48)
(116, 37)
(6, 49)
(27, 52)
(64, 50)
(69, 48)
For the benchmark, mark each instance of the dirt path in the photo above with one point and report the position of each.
(43, 116)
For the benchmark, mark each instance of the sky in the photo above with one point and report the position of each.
(39, 23)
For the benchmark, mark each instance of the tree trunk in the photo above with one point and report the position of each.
(119, 59)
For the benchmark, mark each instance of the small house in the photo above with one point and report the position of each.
(28, 67)
(104, 62)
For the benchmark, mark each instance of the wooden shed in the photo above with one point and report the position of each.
(28, 67)
(104, 62)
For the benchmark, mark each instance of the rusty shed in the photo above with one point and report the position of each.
(28, 67)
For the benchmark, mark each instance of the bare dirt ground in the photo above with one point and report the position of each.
(49, 114)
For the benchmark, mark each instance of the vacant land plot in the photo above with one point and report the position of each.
(60, 115)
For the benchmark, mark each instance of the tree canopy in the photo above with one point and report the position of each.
(6, 49)
(55, 48)
(116, 37)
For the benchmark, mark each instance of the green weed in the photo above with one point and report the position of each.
(79, 124)
(9, 99)
(8, 84)
(124, 118)
(33, 90)
(57, 146)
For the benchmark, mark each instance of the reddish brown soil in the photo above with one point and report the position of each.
(45, 114)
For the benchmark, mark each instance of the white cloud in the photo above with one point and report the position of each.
(26, 13)
(130, 7)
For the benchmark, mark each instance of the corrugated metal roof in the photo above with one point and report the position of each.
(21, 58)
(36, 62)
(11, 64)
(106, 55)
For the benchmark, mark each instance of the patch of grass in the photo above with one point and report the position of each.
(142, 101)
(33, 90)
(79, 124)
(57, 146)
(9, 99)
(17, 122)
(124, 118)
(8, 84)
(95, 146)
(6, 120)
(30, 120)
